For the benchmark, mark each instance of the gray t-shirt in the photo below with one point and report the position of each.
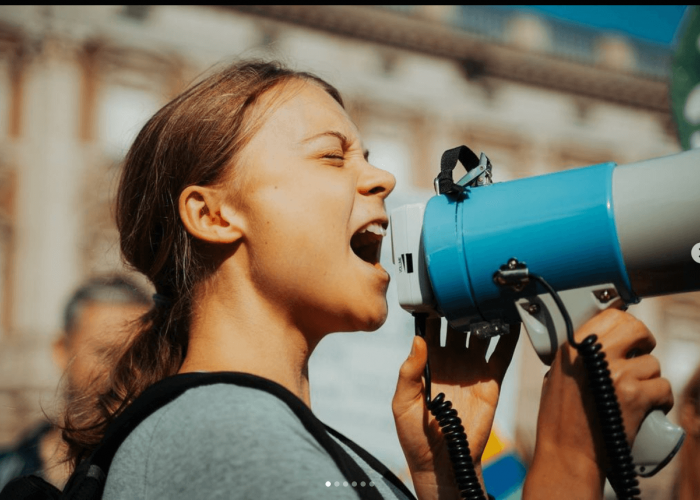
(225, 441)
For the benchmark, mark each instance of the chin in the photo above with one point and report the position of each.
(374, 321)
(364, 315)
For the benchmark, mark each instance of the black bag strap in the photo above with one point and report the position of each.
(448, 162)
(169, 389)
(372, 462)
(30, 488)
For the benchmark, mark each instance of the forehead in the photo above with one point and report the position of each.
(105, 323)
(300, 108)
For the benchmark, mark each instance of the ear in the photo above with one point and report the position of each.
(208, 216)
(59, 350)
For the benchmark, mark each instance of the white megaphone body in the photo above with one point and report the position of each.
(602, 236)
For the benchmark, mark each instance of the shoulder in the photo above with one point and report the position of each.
(220, 403)
(219, 438)
(220, 416)
(215, 417)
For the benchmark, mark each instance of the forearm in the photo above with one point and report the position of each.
(557, 473)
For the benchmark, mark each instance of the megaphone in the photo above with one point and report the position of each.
(603, 236)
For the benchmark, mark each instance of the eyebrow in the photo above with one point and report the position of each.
(334, 133)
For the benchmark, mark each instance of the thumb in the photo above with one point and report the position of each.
(409, 387)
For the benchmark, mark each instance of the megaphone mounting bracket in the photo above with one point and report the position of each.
(513, 274)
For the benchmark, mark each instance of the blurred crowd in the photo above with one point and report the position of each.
(97, 322)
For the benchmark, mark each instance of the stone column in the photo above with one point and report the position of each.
(47, 225)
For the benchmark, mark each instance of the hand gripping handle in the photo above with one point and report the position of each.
(658, 439)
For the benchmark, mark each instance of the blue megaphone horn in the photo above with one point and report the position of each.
(602, 236)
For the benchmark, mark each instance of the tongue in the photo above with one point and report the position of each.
(368, 253)
(365, 246)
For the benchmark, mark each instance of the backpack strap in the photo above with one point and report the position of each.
(372, 462)
(29, 488)
(94, 469)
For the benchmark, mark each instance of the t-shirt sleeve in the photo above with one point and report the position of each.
(229, 442)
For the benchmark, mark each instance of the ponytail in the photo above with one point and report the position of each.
(156, 351)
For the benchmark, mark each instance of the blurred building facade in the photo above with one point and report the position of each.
(537, 96)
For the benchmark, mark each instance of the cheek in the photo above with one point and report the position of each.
(297, 232)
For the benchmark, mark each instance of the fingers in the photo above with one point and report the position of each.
(633, 336)
(638, 382)
(477, 347)
(659, 393)
(410, 384)
(638, 398)
(642, 368)
(432, 332)
(456, 339)
(620, 333)
(503, 353)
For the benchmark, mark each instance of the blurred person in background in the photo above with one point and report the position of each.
(687, 485)
(95, 319)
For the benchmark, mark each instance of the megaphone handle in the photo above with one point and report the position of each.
(621, 473)
(658, 439)
(657, 442)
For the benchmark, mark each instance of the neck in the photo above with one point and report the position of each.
(245, 333)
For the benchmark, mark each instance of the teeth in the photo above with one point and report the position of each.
(374, 228)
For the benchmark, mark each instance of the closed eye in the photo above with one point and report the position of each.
(335, 159)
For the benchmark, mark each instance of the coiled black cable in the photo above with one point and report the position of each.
(621, 473)
(453, 432)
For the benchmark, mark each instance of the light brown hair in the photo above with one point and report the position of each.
(193, 140)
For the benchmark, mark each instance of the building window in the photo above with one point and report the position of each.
(122, 112)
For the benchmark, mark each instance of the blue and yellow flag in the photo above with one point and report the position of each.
(504, 471)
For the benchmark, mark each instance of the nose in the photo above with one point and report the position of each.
(376, 181)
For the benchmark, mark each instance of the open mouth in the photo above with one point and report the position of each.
(367, 242)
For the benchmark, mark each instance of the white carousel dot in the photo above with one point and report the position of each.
(695, 252)
(328, 483)
(337, 483)
(691, 109)
(695, 139)
(362, 483)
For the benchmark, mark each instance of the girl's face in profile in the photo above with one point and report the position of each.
(315, 212)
